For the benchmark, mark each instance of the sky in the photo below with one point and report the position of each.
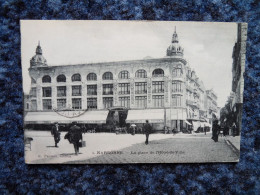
(207, 46)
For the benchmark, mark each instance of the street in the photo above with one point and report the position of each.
(125, 148)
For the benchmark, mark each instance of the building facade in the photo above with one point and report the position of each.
(164, 86)
(238, 69)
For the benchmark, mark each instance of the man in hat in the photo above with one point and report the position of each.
(147, 131)
(55, 133)
(75, 136)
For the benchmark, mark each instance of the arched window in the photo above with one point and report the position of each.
(107, 76)
(158, 72)
(76, 77)
(141, 73)
(124, 74)
(61, 78)
(176, 72)
(46, 79)
(92, 77)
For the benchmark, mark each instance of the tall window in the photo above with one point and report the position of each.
(177, 72)
(177, 100)
(61, 91)
(92, 89)
(92, 103)
(46, 79)
(124, 74)
(158, 101)
(76, 103)
(107, 102)
(61, 78)
(107, 89)
(141, 88)
(76, 90)
(76, 77)
(46, 104)
(92, 77)
(158, 72)
(158, 86)
(124, 101)
(141, 73)
(141, 101)
(61, 103)
(33, 105)
(124, 88)
(107, 76)
(33, 92)
(46, 92)
(177, 86)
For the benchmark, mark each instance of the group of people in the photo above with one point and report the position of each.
(74, 135)
(216, 129)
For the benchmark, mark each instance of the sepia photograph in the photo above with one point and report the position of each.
(114, 92)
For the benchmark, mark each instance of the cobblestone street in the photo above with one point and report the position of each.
(125, 148)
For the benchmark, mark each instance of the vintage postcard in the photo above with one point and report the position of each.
(132, 91)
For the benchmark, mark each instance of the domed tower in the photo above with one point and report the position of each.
(175, 50)
(38, 59)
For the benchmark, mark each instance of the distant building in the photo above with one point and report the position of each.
(163, 90)
(238, 69)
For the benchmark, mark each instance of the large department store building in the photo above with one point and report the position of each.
(165, 91)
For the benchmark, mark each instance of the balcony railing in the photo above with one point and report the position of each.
(158, 91)
(158, 75)
(141, 92)
(124, 92)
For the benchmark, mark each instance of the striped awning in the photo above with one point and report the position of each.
(140, 116)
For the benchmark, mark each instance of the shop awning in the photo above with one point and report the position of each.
(178, 114)
(187, 122)
(140, 116)
(91, 117)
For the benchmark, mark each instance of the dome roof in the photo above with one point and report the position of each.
(38, 59)
(175, 49)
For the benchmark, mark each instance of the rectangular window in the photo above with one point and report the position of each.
(177, 100)
(158, 86)
(46, 104)
(141, 101)
(33, 92)
(76, 90)
(46, 92)
(76, 103)
(61, 91)
(141, 88)
(92, 89)
(176, 86)
(33, 105)
(107, 89)
(124, 101)
(124, 88)
(61, 103)
(92, 103)
(158, 101)
(107, 102)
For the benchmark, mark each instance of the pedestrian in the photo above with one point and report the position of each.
(75, 136)
(56, 134)
(205, 129)
(234, 128)
(215, 130)
(147, 131)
